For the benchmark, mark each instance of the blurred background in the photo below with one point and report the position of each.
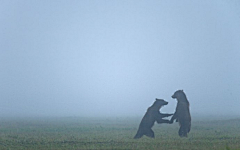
(113, 58)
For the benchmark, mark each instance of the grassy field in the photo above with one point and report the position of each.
(114, 133)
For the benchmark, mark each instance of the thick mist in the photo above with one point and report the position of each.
(113, 58)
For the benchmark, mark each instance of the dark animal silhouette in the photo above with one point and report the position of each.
(150, 117)
(182, 113)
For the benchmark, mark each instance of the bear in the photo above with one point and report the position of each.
(150, 117)
(182, 113)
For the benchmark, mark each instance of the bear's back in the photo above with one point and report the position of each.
(149, 117)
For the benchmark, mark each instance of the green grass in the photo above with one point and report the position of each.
(114, 133)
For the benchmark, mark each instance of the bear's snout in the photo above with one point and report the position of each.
(165, 103)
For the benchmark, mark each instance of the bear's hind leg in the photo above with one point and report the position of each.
(185, 131)
(138, 135)
(150, 133)
(182, 132)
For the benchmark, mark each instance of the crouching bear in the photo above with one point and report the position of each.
(182, 113)
(150, 117)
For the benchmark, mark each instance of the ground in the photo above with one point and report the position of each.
(114, 133)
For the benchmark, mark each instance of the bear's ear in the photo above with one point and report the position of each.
(181, 90)
(157, 99)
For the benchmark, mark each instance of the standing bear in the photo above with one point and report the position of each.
(182, 113)
(150, 117)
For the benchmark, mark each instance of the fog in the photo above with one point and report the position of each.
(113, 58)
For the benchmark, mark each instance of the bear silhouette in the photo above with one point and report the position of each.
(182, 113)
(150, 117)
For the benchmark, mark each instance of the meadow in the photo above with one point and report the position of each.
(78, 133)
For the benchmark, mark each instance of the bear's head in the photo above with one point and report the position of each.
(159, 103)
(179, 94)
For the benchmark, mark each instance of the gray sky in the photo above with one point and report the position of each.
(108, 57)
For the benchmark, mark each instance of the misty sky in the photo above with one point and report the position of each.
(109, 57)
